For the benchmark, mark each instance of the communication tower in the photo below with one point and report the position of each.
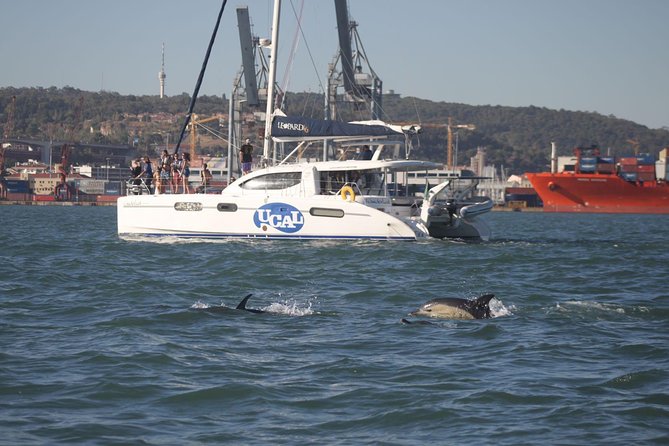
(162, 75)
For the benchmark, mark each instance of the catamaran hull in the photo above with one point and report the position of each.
(219, 216)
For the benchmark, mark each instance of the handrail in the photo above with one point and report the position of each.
(132, 188)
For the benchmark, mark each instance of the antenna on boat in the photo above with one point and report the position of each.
(271, 79)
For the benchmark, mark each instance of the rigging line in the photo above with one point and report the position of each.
(306, 44)
(415, 106)
(193, 98)
(293, 50)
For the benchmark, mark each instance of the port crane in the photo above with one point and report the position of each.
(450, 164)
(362, 88)
(65, 150)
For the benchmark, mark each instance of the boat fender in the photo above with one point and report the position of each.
(347, 193)
(552, 186)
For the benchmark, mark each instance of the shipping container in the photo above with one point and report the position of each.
(18, 186)
(113, 188)
(530, 198)
(646, 168)
(645, 158)
(606, 168)
(628, 168)
(107, 198)
(629, 176)
(90, 186)
(628, 161)
(606, 160)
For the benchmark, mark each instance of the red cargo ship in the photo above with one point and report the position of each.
(632, 185)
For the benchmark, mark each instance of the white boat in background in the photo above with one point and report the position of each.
(302, 198)
(350, 199)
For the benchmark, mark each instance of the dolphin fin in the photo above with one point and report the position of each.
(484, 300)
(480, 307)
(242, 304)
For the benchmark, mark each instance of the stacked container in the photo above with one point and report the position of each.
(628, 168)
(645, 167)
(587, 164)
(606, 164)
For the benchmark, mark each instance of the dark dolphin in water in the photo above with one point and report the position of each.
(240, 306)
(455, 308)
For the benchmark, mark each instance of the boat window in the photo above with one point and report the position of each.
(187, 206)
(226, 207)
(325, 212)
(278, 180)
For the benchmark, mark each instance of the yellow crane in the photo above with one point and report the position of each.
(451, 126)
(635, 145)
(194, 122)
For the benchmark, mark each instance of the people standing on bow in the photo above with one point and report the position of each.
(165, 158)
(147, 172)
(164, 173)
(246, 156)
(185, 172)
(176, 178)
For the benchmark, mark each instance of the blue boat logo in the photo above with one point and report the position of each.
(281, 216)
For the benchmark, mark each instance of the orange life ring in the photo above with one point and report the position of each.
(347, 193)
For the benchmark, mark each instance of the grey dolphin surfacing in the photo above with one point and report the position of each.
(242, 305)
(455, 308)
(223, 309)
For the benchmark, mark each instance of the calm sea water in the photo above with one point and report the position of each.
(107, 341)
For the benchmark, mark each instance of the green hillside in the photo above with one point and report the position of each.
(516, 137)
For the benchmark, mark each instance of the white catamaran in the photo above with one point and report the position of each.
(309, 199)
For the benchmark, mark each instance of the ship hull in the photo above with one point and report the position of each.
(597, 193)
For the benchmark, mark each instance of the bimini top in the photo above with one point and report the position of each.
(298, 128)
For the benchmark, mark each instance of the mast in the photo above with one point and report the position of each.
(271, 79)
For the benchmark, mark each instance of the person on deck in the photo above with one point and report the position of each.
(136, 173)
(205, 179)
(366, 153)
(147, 172)
(246, 156)
(176, 178)
(185, 172)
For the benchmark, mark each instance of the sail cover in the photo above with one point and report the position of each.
(286, 128)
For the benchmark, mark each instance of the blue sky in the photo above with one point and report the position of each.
(606, 56)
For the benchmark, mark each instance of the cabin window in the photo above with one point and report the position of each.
(273, 181)
(226, 207)
(326, 212)
(187, 206)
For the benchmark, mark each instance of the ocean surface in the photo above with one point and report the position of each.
(109, 341)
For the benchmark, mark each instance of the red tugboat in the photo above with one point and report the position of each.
(604, 184)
